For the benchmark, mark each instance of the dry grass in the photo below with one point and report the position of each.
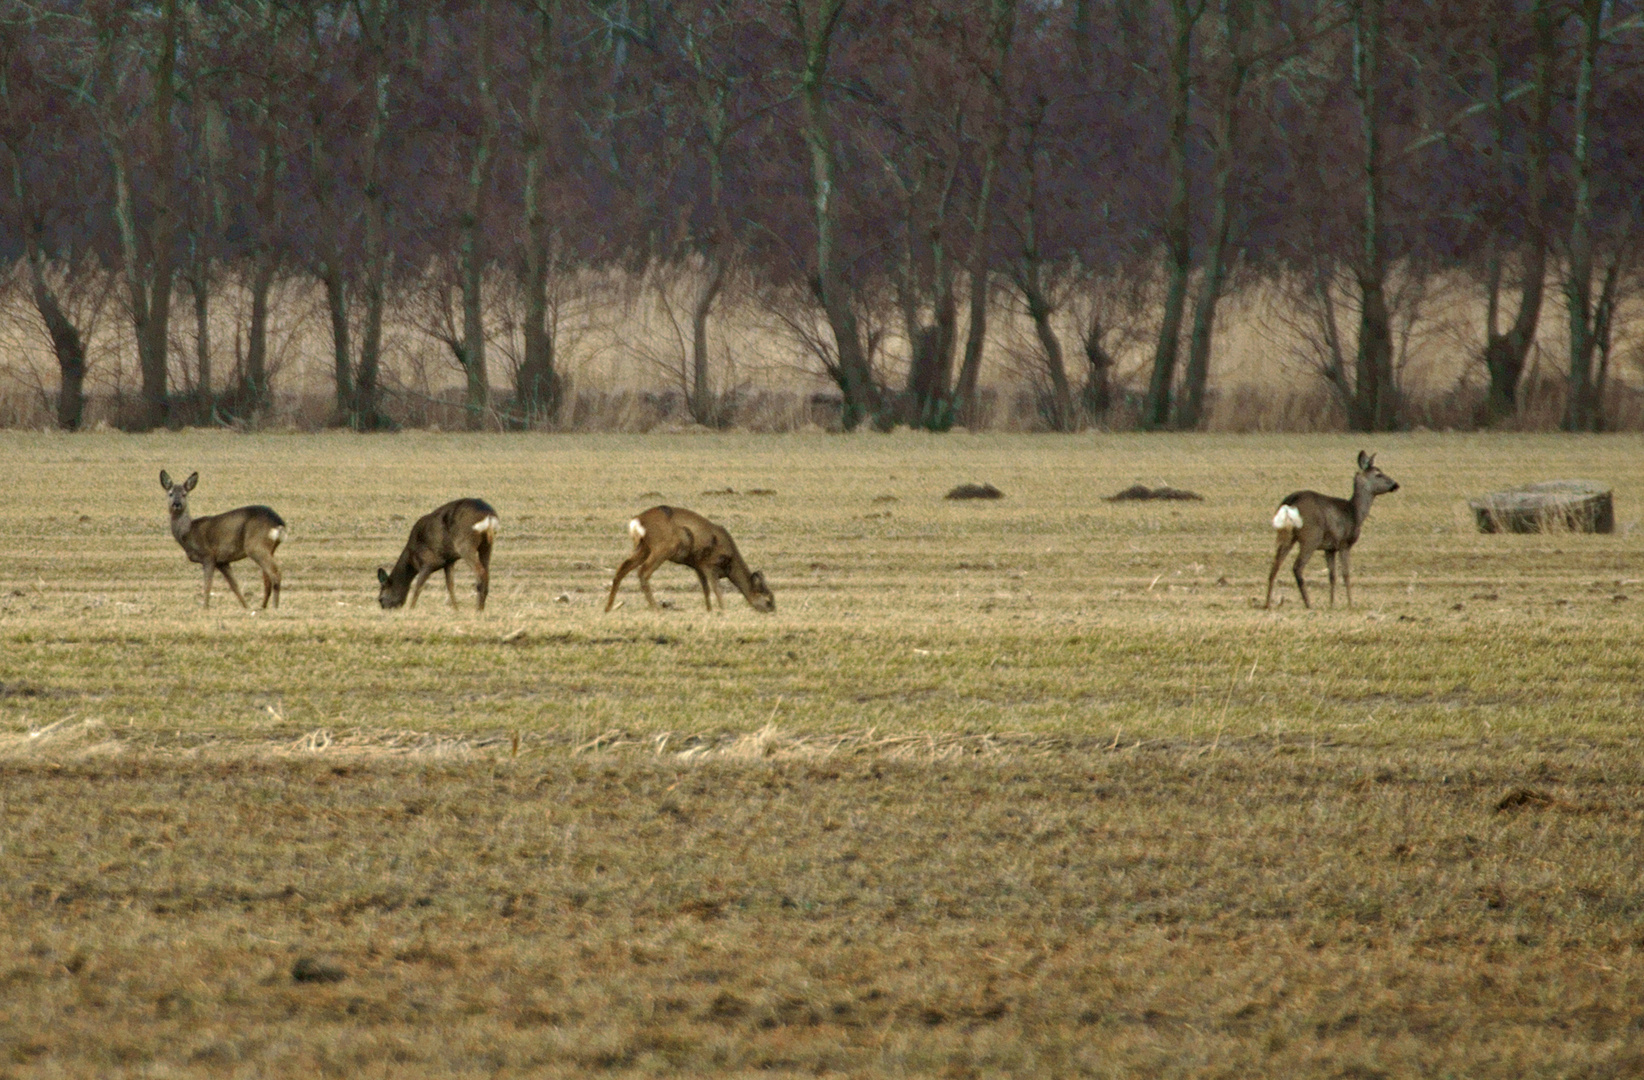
(1005, 787)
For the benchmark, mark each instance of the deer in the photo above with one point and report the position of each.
(670, 534)
(1323, 521)
(249, 532)
(462, 529)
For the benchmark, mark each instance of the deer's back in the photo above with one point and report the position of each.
(685, 534)
(228, 536)
(1330, 516)
(447, 531)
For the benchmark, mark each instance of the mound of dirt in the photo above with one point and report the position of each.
(1141, 491)
(975, 491)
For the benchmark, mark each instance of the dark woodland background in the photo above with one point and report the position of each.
(883, 182)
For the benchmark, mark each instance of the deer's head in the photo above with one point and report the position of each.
(178, 492)
(392, 592)
(1380, 483)
(759, 593)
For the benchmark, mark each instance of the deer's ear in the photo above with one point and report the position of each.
(165, 480)
(382, 576)
(193, 478)
(1366, 460)
(758, 580)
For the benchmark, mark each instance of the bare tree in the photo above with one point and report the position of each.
(139, 135)
(471, 354)
(816, 23)
(1028, 275)
(1505, 351)
(1178, 225)
(1001, 37)
(25, 120)
(537, 385)
(1589, 315)
(1235, 61)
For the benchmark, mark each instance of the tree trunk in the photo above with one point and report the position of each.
(1581, 410)
(702, 398)
(1178, 223)
(703, 410)
(1375, 404)
(1190, 410)
(1098, 392)
(850, 370)
(201, 289)
(148, 280)
(336, 302)
(1029, 278)
(1062, 416)
(253, 389)
(536, 386)
(364, 410)
(1003, 30)
(1505, 354)
(66, 343)
(473, 229)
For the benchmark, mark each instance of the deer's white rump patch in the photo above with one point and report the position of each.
(1288, 517)
(636, 530)
(486, 524)
(276, 534)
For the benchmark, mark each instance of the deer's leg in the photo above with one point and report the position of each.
(1302, 556)
(416, 586)
(1346, 576)
(1330, 563)
(481, 563)
(1278, 561)
(450, 588)
(210, 568)
(707, 594)
(235, 585)
(271, 577)
(652, 560)
(628, 564)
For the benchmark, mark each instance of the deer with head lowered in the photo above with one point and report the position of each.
(1317, 521)
(463, 529)
(669, 534)
(250, 532)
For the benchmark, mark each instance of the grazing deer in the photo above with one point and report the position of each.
(669, 534)
(463, 529)
(251, 532)
(1322, 521)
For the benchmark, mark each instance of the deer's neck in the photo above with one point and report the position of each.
(739, 575)
(1362, 497)
(181, 523)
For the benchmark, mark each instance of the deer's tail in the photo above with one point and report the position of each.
(1288, 517)
(636, 530)
(487, 524)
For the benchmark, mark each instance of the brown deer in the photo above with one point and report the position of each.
(1323, 521)
(669, 534)
(464, 529)
(250, 532)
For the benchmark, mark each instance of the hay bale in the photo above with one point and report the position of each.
(1140, 492)
(975, 491)
(1573, 505)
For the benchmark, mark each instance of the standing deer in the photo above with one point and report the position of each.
(463, 529)
(669, 534)
(251, 532)
(1323, 521)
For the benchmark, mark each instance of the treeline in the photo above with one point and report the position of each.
(879, 176)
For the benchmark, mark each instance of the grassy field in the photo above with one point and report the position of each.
(1002, 787)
